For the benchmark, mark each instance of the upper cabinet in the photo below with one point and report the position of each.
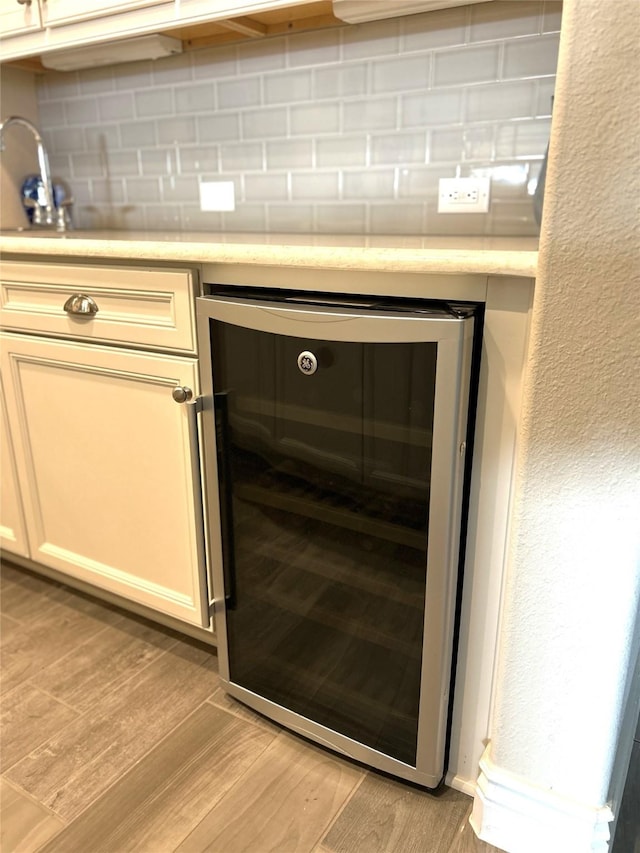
(33, 28)
(57, 13)
(17, 18)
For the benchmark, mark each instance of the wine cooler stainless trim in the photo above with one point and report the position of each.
(454, 337)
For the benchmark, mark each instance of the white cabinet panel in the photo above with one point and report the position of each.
(60, 12)
(13, 535)
(138, 306)
(18, 18)
(105, 458)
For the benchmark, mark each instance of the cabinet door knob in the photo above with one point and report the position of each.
(182, 394)
(80, 305)
(24, 2)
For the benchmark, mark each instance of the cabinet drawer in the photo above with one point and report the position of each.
(138, 306)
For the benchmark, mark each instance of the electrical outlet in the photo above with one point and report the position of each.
(463, 195)
(217, 195)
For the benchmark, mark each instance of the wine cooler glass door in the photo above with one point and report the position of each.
(326, 456)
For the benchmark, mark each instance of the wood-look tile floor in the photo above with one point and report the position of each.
(117, 737)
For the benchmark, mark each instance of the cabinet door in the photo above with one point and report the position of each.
(17, 18)
(12, 531)
(105, 459)
(59, 12)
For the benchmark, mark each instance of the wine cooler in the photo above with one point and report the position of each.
(335, 431)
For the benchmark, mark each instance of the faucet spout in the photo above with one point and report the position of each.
(43, 163)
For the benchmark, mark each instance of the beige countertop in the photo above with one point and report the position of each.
(509, 256)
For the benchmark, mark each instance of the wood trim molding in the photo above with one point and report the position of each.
(514, 813)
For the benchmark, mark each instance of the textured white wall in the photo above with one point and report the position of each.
(573, 581)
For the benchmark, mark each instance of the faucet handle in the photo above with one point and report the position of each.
(63, 214)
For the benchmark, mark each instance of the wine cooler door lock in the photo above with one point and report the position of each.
(307, 362)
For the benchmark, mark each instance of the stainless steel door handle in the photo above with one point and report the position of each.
(80, 305)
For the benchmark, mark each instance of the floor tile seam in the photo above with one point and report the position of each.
(258, 725)
(68, 820)
(41, 743)
(23, 792)
(11, 619)
(464, 822)
(95, 760)
(240, 780)
(63, 656)
(319, 843)
(130, 768)
(37, 687)
(113, 688)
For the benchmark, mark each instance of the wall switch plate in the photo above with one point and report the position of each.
(217, 195)
(463, 195)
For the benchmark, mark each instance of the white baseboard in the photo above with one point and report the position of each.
(458, 783)
(519, 817)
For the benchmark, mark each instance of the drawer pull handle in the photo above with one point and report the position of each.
(80, 305)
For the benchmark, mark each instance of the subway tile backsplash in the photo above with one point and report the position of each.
(346, 130)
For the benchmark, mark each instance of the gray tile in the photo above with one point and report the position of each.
(166, 795)
(257, 56)
(24, 824)
(314, 48)
(27, 596)
(397, 75)
(341, 218)
(371, 39)
(49, 637)
(531, 57)
(315, 118)
(372, 184)
(440, 28)
(341, 81)
(314, 185)
(236, 94)
(289, 153)
(398, 218)
(29, 717)
(466, 65)
(215, 62)
(432, 108)
(288, 218)
(505, 20)
(400, 148)
(271, 187)
(71, 769)
(195, 98)
(93, 670)
(370, 114)
(285, 802)
(385, 815)
(500, 100)
(264, 124)
(288, 87)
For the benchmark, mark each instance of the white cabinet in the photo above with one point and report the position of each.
(50, 25)
(17, 18)
(106, 460)
(60, 12)
(13, 536)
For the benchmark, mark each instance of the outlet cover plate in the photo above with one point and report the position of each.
(463, 195)
(217, 195)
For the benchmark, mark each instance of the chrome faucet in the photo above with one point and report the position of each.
(44, 211)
